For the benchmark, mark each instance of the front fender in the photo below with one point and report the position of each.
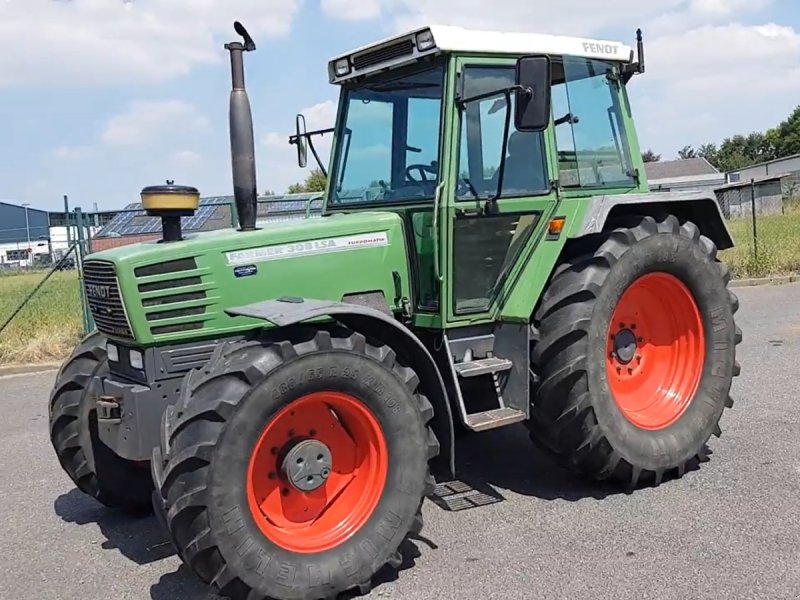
(369, 321)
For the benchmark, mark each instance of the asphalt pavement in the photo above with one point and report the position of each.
(523, 528)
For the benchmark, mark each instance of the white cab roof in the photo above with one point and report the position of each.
(448, 38)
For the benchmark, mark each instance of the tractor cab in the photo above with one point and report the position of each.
(473, 137)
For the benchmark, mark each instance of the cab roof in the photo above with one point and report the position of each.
(437, 39)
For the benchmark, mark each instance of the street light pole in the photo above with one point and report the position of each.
(28, 232)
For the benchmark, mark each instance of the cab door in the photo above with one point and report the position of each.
(495, 209)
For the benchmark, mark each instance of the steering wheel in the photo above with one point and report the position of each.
(432, 168)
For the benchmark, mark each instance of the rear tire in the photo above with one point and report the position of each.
(597, 409)
(219, 471)
(94, 468)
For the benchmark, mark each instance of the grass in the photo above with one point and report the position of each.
(778, 245)
(50, 324)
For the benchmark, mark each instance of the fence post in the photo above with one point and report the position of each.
(753, 209)
(69, 221)
(234, 215)
(88, 321)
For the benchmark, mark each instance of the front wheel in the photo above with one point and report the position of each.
(635, 352)
(93, 467)
(295, 469)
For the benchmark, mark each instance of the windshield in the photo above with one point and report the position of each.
(389, 149)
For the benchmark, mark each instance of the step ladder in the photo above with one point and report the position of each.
(493, 367)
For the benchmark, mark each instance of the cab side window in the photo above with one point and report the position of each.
(481, 145)
(591, 139)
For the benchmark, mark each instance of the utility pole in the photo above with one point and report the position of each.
(28, 233)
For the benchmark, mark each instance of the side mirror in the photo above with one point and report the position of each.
(532, 112)
(301, 141)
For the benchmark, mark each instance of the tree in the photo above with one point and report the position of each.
(687, 152)
(315, 182)
(649, 156)
(786, 136)
(269, 193)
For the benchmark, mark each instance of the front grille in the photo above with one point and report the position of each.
(102, 295)
(384, 54)
(166, 296)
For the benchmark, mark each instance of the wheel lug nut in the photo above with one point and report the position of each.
(291, 433)
(285, 491)
(639, 340)
(630, 371)
(622, 325)
(313, 432)
(274, 450)
(639, 359)
(619, 369)
(272, 476)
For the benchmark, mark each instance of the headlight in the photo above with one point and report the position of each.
(425, 40)
(341, 67)
(112, 352)
(137, 360)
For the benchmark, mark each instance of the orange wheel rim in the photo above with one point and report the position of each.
(655, 351)
(294, 501)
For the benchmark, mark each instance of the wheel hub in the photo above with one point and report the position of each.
(625, 346)
(307, 465)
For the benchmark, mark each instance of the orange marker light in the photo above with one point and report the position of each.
(556, 226)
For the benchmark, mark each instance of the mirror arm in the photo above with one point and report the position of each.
(462, 102)
(316, 157)
(501, 171)
(294, 138)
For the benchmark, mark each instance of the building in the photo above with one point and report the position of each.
(782, 166)
(765, 194)
(685, 174)
(24, 235)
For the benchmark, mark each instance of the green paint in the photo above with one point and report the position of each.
(328, 275)
(419, 245)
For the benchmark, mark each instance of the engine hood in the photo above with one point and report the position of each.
(172, 292)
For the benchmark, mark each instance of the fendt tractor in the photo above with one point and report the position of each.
(488, 254)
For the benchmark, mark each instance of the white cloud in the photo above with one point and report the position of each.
(352, 10)
(715, 81)
(146, 120)
(79, 42)
(568, 17)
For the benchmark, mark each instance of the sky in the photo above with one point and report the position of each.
(99, 98)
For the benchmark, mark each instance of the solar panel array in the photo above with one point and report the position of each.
(133, 220)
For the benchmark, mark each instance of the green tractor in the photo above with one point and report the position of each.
(489, 254)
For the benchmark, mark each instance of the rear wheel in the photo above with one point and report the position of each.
(635, 352)
(94, 468)
(295, 469)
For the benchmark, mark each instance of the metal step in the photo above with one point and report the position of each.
(483, 366)
(492, 419)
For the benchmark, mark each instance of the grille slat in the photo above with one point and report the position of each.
(102, 295)
(385, 54)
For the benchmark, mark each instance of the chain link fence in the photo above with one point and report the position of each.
(764, 218)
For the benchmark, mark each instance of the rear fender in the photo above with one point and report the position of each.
(699, 207)
(380, 326)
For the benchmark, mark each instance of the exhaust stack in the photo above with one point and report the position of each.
(243, 160)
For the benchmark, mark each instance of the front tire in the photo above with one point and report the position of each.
(234, 473)
(93, 467)
(635, 352)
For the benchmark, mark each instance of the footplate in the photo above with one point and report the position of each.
(491, 419)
